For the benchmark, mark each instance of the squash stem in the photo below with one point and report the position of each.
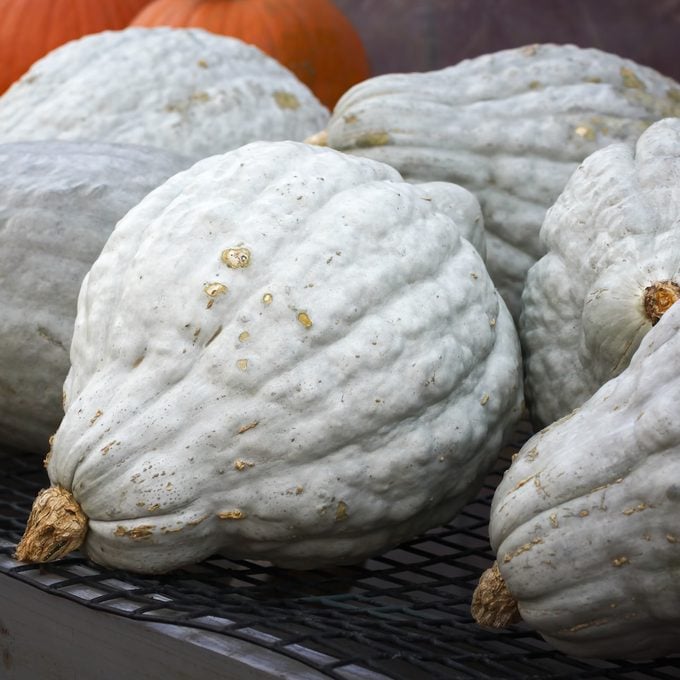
(56, 526)
(659, 297)
(492, 604)
(318, 139)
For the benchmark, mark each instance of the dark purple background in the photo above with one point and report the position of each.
(422, 35)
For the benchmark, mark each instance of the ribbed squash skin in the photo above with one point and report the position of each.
(283, 353)
(509, 126)
(312, 38)
(585, 521)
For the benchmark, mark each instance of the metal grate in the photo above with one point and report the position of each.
(403, 615)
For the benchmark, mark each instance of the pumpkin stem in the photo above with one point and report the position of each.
(56, 526)
(659, 297)
(318, 139)
(492, 603)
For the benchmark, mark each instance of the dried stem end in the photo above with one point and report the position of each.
(55, 527)
(318, 139)
(492, 604)
(659, 297)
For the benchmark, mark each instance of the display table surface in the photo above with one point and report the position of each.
(403, 615)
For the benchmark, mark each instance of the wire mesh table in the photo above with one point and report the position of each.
(402, 615)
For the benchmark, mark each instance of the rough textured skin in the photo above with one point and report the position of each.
(585, 521)
(463, 208)
(186, 90)
(59, 201)
(509, 126)
(346, 389)
(614, 230)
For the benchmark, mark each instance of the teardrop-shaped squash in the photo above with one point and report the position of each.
(585, 521)
(283, 353)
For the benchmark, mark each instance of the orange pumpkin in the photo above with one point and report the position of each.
(312, 38)
(29, 29)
